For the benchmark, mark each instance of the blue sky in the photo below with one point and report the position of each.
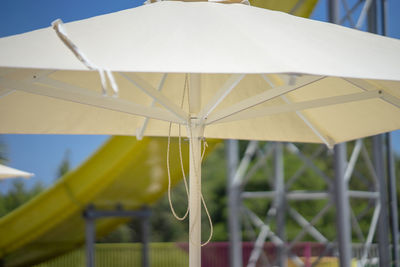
(42, 154)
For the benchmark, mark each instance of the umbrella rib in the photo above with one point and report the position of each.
(5, 92)
(391, 99)
(140, 131)
(324, 138)
(366, 86)
(260, 98)
(297, 106)
(156, 95)
(220, 95)
(58, 90)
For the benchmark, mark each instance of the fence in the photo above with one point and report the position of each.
(213, 255)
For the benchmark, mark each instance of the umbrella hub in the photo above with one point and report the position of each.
(195, 128)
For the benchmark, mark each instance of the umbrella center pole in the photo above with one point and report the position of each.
(195, 132)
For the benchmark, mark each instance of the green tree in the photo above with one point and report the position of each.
(65, 165)
(3, 152)
(18, 195)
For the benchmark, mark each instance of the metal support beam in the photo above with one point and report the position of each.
(145, 227)
(341, 198)
(308, 195)
(340, 189)
(383, 225)
(378, 159)
(333, 11)
(307, 225)
(383, 17)
(280, 203)
(90, 232)
(234, 189)
(372, 17)
(394, 219)
(118, 212)
(91, 214)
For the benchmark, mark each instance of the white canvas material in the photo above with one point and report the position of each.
(215, 40)
(8, 172)
(201, 37)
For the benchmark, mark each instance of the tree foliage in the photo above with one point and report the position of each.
(17, 195)
(65, 165)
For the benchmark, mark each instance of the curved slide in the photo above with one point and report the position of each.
(123, 172)
(301, 8)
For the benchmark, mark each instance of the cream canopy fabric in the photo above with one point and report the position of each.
(8, 172)
(304, 81)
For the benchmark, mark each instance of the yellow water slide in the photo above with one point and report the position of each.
(123, 172)
(301, 8)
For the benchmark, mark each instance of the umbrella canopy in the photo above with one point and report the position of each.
(8, 172)
(222, 71)
(316, 64)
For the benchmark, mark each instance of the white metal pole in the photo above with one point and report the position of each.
(195, 134)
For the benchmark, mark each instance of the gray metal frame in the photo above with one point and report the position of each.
(346, 170)
(235, 239)
(339, 194)
(394, 219)
(383, 225)
(91, 214)
(341, 197)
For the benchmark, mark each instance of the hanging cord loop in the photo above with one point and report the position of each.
(204, 147)
(169, 177)
(103, 73)
(181, 162)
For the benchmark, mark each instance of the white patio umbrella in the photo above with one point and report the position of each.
(250, 73)
(8, 172)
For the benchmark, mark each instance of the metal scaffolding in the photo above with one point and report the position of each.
(281, 210)
(378, 196)
(91, 214)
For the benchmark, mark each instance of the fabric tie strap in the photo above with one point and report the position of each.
(104, 73)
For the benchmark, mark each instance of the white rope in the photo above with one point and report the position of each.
(62, 34)
(181, 161)
(205, 145)
(169, 178)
